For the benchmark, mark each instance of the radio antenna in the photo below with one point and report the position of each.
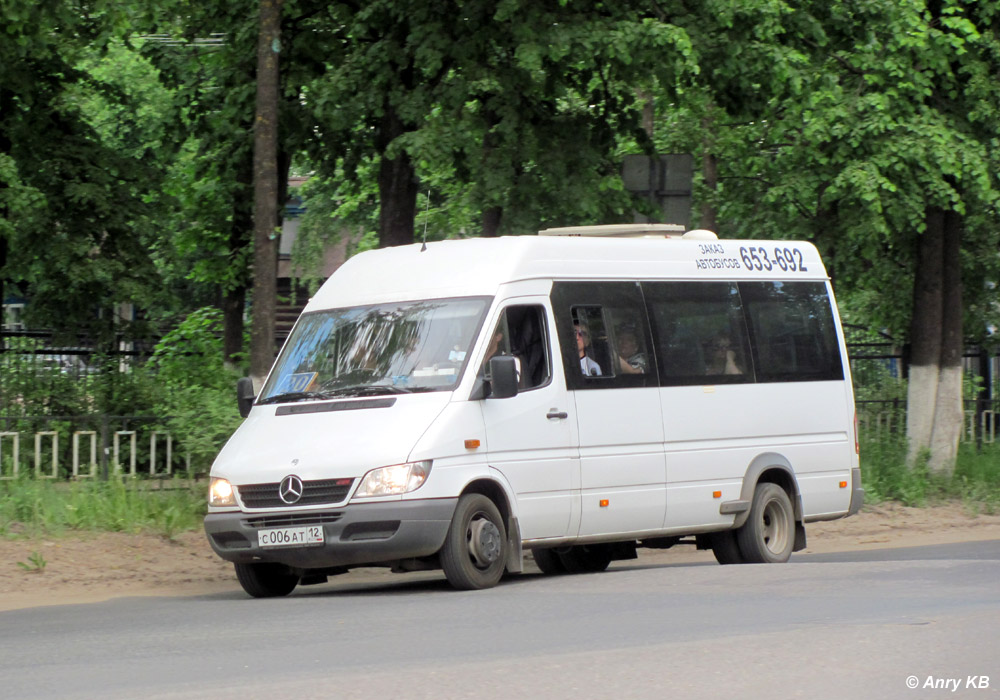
(427, 211)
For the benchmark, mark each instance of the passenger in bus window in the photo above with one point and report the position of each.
(630, 359)
(587, 365)
(720, 358)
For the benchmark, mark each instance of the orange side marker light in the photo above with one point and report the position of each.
(605, 503)
(471, 444)
(716, 494)
(843, 484)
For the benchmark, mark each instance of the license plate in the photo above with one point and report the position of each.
(290, 536)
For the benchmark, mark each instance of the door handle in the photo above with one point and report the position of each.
(553, 413)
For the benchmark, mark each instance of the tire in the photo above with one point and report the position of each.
(725, 548)
(548, 561)
(266, 580)
(768, 535)
(586, 558)
(474, 554)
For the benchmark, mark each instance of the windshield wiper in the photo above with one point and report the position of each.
(292, 396)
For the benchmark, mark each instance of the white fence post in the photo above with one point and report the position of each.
(38, 454)
(76, 453)
(152, 451)
(16, 439)
(117, 446)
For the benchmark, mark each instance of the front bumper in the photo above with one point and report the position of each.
(354, 535)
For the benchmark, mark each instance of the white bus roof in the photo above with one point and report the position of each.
(479, 266)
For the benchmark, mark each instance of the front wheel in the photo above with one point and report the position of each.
(474, 554)
(266, 580)
(768, 535)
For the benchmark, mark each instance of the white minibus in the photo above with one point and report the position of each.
(454, 404)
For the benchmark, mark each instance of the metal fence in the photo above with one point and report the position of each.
(82, 447)
(887, 419)
(80, 440)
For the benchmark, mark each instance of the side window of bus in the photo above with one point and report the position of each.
(699, 334)
(793, 331)
(522, 332)
(604, 335)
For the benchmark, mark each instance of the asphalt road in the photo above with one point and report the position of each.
(851, 625)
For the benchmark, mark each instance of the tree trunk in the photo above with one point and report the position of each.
(240, 237)
(232, 323)
(397, 186)
(491, 221)
(949, 418)
(490, 199)
(266, 189)
(709, 218)
(934, 415)
(925, 337)
(6, 104)
(709, 215)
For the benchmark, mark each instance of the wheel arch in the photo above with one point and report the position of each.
(770, 467)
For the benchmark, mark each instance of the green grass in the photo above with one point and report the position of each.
(35, 507)
(975, 481)
(32, 508)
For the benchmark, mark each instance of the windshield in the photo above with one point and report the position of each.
(374, 350)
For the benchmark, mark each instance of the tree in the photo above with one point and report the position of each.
(510, 109)
(74, 202)
(869, 134)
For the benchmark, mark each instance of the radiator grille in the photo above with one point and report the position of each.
(294, 519)
(314, 493)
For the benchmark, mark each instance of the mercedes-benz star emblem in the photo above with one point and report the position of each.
(290, 489)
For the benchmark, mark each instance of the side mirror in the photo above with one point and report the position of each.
(503, 377)
(244, 395)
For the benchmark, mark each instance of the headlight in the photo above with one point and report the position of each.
(394, 480)
(220, 493)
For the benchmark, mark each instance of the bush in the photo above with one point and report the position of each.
(886, 477)
(196, 390)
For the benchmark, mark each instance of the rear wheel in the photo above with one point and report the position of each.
(548, 561)
(768, 535)
(586, 558)
(474, 554)
(266, 580)
(725, 547)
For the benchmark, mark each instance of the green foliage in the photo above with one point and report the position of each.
(841, 124)
(35, 507)
(75, 214)
(195, 389)
(886, 477)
